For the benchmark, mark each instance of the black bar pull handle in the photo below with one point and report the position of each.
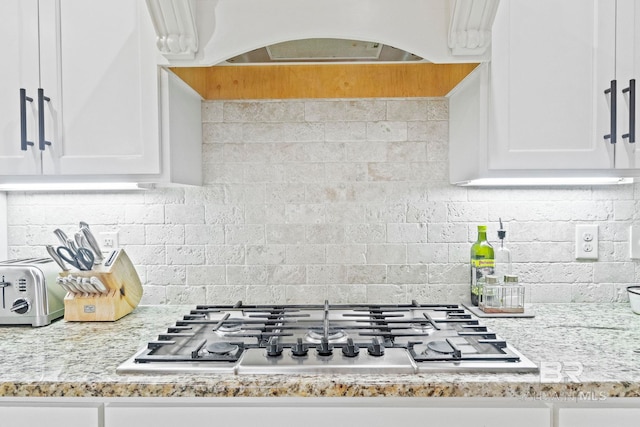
(42, 142)
(23, 119)
(614, 113)
(632, 111)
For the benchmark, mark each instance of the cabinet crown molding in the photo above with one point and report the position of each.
(175, 26)
(470, 26)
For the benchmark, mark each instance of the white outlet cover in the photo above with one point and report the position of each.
(634, 242)
(108, 240)
(587, 241)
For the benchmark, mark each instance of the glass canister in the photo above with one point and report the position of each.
(505, 298)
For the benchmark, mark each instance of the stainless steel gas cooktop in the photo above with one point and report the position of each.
(327, 338)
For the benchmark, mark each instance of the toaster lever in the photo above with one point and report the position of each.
(3, 285)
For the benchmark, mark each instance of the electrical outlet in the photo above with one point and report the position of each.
(586, 242)
(108, 240)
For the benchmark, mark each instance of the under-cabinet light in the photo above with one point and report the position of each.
(567, 181)
(76, 186)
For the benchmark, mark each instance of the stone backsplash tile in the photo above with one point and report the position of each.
(346, 200)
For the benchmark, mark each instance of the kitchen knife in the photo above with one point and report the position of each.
(80, 240)
(64, 285)
(88, 284)
(70, 284)
(97, 283)
(85, 289)
(93, 244)
(62, 237)
(54, 256)
(71, 244)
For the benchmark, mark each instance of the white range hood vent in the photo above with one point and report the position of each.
(324, 50)
(210, 32)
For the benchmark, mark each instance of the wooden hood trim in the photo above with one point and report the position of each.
(324, 80)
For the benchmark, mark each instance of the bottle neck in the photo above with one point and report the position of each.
(482, 235)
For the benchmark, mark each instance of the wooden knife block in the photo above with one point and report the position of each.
(125, 291)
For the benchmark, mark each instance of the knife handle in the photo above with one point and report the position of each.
(71, 244)
(61, 235)
(92, 244)
(97, 283)
(80, 240)
(54, 256)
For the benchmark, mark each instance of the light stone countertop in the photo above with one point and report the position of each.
(595, 348)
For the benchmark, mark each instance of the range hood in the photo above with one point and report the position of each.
(215, 32)
(324, 50)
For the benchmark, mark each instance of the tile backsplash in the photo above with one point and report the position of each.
(346, 200)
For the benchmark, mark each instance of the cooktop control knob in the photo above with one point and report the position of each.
(376, 349)
(21, 306)
(324, 349)
(351, 349)
(274, 349)
(299, 349)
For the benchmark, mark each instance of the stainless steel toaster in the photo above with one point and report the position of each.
(29, 294)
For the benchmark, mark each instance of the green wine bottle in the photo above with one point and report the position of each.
(482, 263)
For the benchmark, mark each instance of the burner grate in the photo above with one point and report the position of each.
(323, 338)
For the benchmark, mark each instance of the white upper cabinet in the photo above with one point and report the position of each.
(94, 66)
(100, 73)
(18, 115)
(549, 68)
(627, 76)
(543, 105)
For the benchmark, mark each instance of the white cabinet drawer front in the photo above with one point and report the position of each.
(54, 415)
(598, 417)
(274, 414)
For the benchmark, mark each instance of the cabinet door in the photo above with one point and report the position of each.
(19, 31)
(598, 417)
(551, 62)
(100, 73)
(53, 415)
(627, 68)
(272, 414)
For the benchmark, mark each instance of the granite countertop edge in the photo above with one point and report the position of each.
(520, 391)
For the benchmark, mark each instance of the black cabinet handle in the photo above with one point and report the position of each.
(23, 119)
(612, 92)
(632, 110)
(42, 142)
